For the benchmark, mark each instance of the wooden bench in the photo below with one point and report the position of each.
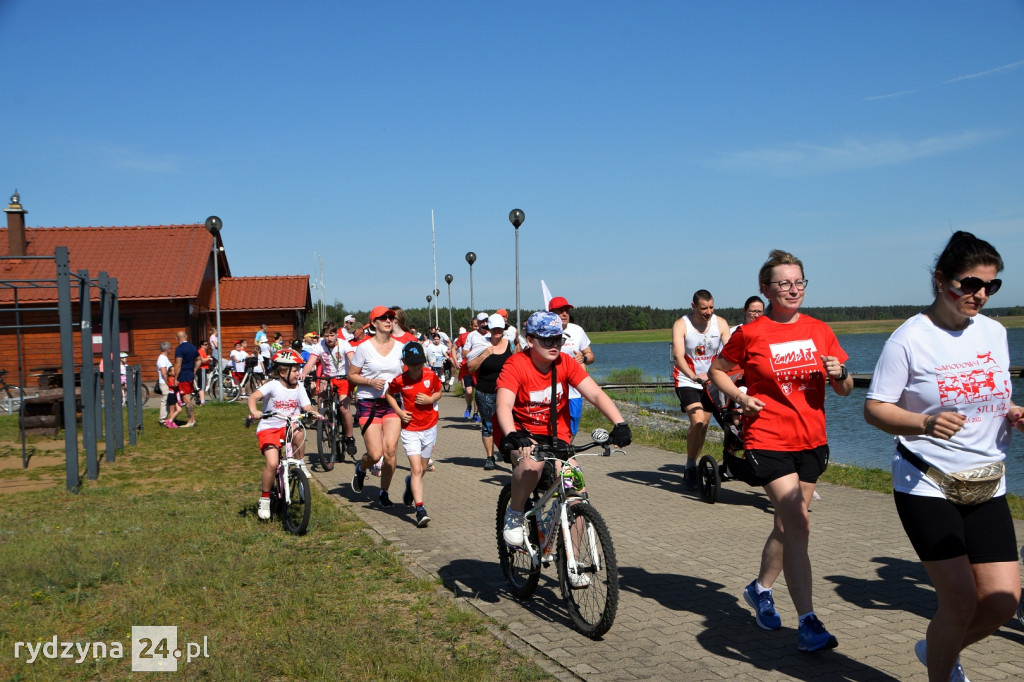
(44, 415)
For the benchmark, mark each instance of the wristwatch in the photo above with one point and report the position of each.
(842, 377)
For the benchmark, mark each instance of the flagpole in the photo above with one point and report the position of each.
(433, 237)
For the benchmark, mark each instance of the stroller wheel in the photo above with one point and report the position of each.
(710, 481)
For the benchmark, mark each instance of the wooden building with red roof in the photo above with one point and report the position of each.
(165, 279)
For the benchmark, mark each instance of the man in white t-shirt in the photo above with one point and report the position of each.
(576, 344)
(697, 339)
(348, 325)
(478, 340)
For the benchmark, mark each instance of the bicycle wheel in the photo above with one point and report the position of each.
(10, 399)
(710, 481)
(231, 389)
(446, 381)
(325, 440)
(145, 394)
(295, 516)
(516, 565)
(591, 596)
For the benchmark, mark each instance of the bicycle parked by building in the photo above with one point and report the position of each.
(10, 396)
(564, 528)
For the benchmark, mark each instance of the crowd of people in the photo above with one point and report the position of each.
(527, 386)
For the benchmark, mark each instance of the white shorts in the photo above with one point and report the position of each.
(419, 443)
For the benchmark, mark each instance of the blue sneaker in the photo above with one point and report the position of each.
(957, 675)
(764, 607)
(812, 636)
(476, 416)
(469, 413)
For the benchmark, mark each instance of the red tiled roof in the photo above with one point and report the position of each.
(149, 262)
(288, 292)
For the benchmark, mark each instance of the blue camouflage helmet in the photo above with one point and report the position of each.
(412, 354)
(544, 324)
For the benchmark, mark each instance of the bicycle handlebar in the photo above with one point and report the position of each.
(266, 415)
(543, 451)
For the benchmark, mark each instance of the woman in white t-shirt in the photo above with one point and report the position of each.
(375, 363)
(942, 388)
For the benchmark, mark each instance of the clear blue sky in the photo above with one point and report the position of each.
(656, 147)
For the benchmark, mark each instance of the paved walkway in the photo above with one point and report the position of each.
(683, 564)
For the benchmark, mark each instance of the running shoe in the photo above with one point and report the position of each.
(476, 416)
(350, 446)
(764, 607)
(489, 464)
(384, 500)
(514, 531)
(921, 649)
(579, 580)
(690, 478)
(187, 425)
(469, 414)
(421, 516)
(812, 636)
(171, 425)
(407, 496)
(263, 508)
(375, 469)
(358, 478)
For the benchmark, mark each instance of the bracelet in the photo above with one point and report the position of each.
(924, 426)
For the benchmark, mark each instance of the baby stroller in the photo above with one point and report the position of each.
(734, 467)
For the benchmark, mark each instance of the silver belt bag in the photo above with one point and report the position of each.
(972, 486)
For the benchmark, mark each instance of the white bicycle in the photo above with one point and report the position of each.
(563, 527)
(290, 496)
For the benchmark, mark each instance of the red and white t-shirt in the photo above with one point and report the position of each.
(279, 398)
(701, 350)
(333, 361)
(782, 367)
(423, 416)
(532, 407)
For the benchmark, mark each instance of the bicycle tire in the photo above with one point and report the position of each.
(446, 381)
(591, 608)
(231, 389)
(295, 516)
(10, 401)
(521, 575)
(710, 480)
(324, 442)
(145, 394)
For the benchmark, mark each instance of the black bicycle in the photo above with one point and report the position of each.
(10, 396)
(331, 443)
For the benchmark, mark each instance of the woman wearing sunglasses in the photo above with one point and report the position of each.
(942, 388)
(789, 360)
(374, 364)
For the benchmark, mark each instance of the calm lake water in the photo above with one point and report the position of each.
(851, 440)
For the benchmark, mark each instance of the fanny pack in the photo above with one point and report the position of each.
(972, 486)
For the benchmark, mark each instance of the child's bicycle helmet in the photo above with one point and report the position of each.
(287, 356)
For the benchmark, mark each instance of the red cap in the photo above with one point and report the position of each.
(380, 311)
(558, 302)
(502, 312)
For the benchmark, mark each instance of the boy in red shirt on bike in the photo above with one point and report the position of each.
(420, 389)
(525, 410)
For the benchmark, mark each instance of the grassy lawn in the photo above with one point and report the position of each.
(879, 480)
(168, 535)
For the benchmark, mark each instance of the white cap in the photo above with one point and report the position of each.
(350, 318)
(124, 355)
(462, 330)
(481, 317)
(496, 321)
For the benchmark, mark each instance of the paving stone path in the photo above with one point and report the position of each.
(683, 564)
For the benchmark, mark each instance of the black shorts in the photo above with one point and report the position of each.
(690, 396)
(768, 465)
(939, 529)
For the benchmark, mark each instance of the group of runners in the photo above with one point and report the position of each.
(941, 387)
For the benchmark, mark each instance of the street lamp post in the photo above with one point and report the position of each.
(437, 302)
(448, 279)
(429, 299)
(213, 225)
(471, 258)
(516, 217)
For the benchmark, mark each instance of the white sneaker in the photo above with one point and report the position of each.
(263, 509)
(515, 528)
(375, 469)
(579, 580)
(958, 675)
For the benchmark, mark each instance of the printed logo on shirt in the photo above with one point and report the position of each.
(794, 357)
(540, 401)
(975, 381)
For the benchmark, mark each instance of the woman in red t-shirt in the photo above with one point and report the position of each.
(787, 359)
(524, 410)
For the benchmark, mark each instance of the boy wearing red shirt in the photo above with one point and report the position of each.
(419, 389)
(524, 410)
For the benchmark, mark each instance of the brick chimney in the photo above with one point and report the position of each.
(16, 226)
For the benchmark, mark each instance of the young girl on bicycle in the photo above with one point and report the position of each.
(525, 409)
(420, 389)
(284, 395)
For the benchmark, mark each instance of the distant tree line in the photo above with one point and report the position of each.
(630, 317)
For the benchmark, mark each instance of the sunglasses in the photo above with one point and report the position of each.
(972, 285)
(550, 341)
(389, 318)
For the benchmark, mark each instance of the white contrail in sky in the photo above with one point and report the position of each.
(981, 74)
